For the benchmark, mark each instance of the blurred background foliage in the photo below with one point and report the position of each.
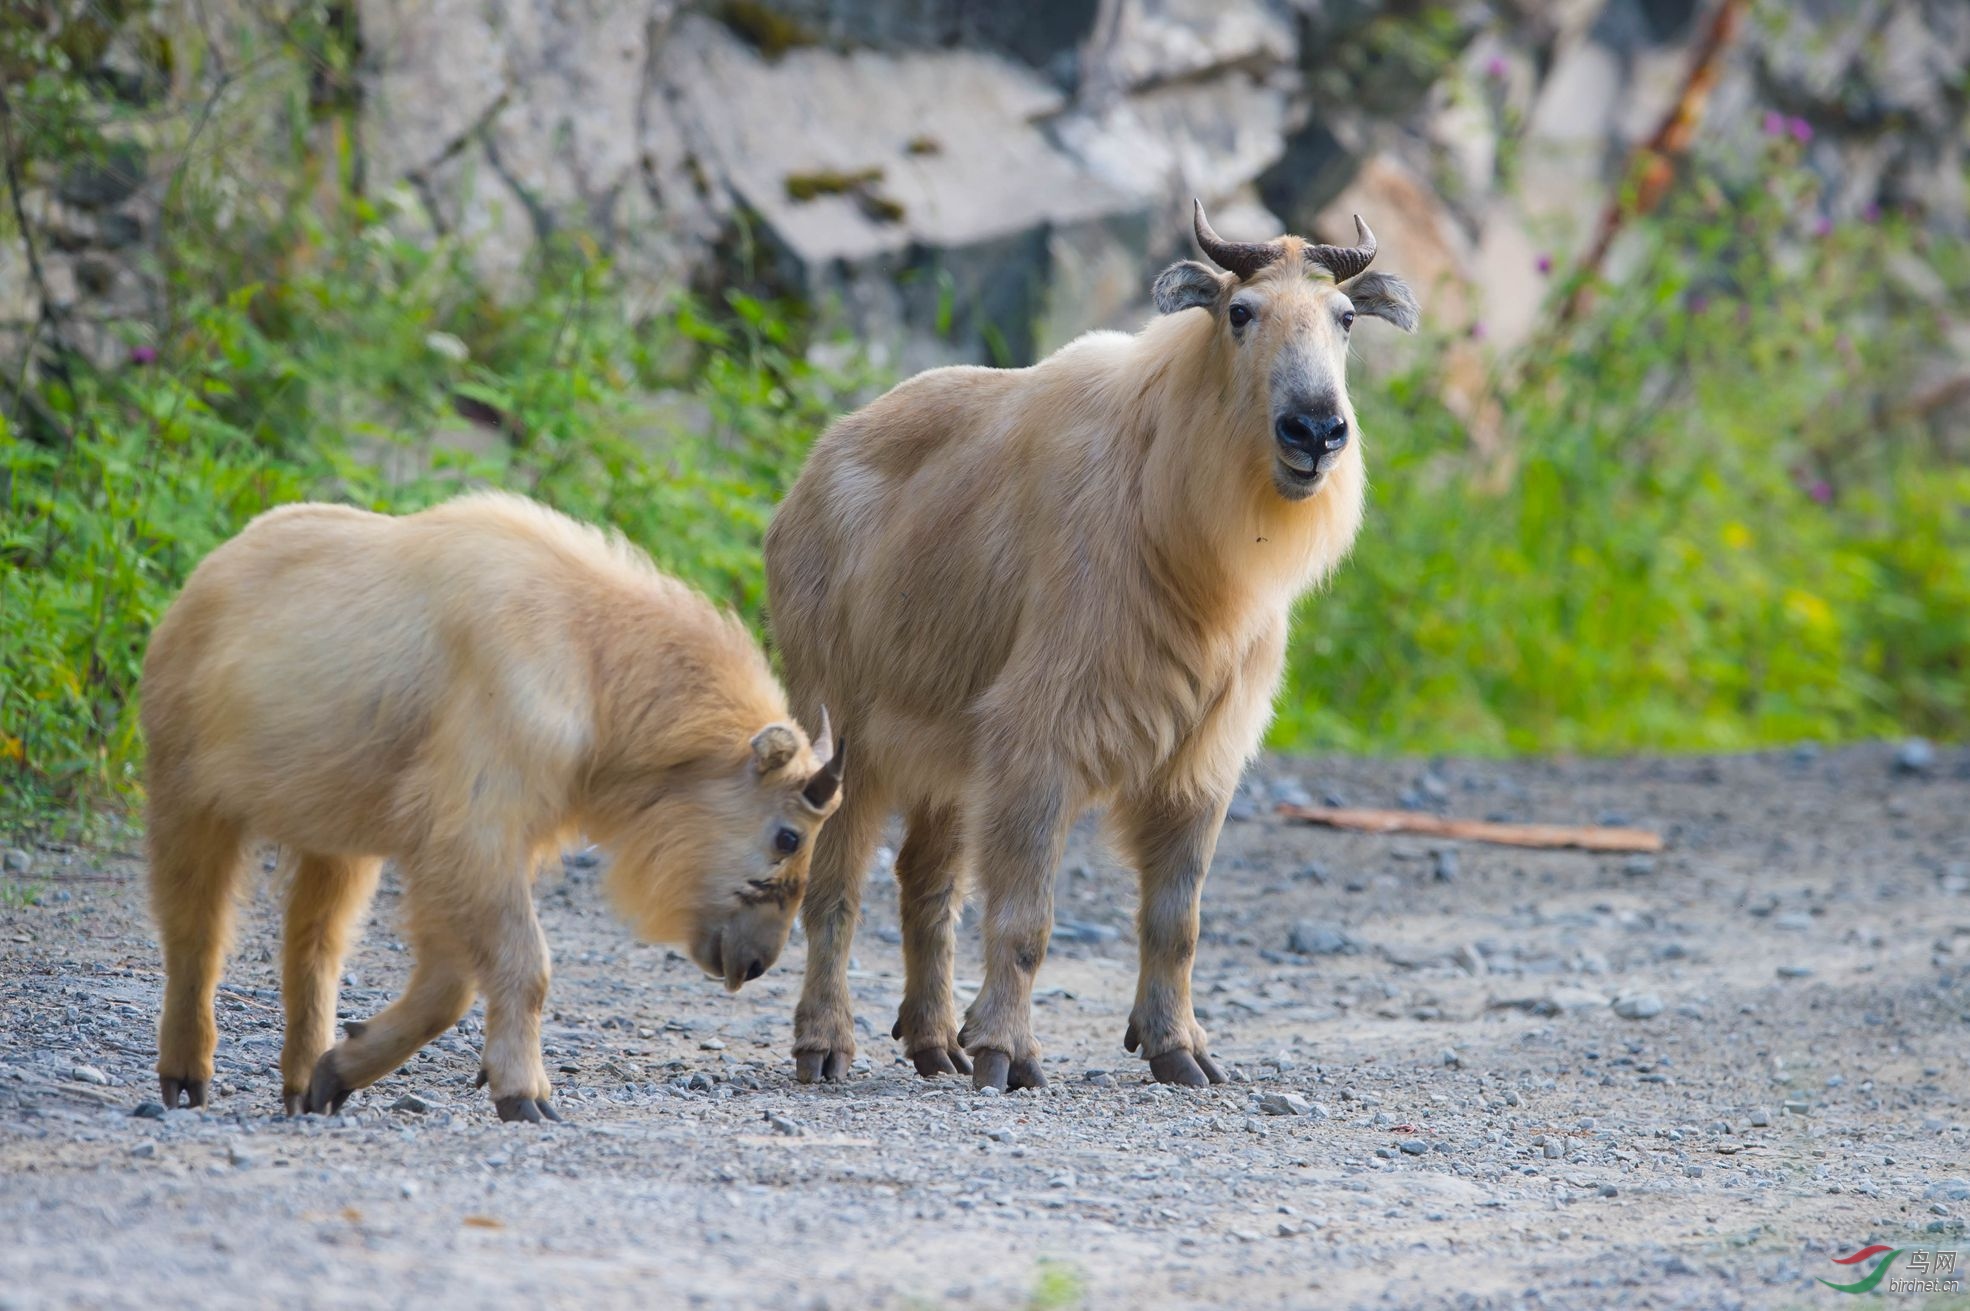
(1714, 525)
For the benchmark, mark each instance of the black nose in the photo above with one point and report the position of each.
(1316, 434)
(754, 970)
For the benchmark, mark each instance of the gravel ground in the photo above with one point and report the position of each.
(1465, 1076)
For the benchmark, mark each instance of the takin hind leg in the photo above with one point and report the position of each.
(1171, 841)
(442, 985)
(824, 1021)
(195, 866)
(324, 900)
(1021, 824)
(929, 874)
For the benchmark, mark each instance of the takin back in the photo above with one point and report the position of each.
(1030, 591)
(464, 690)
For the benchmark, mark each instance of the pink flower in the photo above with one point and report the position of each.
(1871, 214)
(1822, 226)
(1476, 330)
(1495, 68)
(1821, 491)
(1801, 130)
(143, 355)
(1699, 302)
(1544, 263)
(1774, 123)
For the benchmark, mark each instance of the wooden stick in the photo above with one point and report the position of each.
(1587, 837)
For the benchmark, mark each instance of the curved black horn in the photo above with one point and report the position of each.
(821, 788)
(1241, 257)
(1345, 262)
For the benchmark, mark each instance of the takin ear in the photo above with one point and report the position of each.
(1184, 285)
(772, 747)
(1384, 296)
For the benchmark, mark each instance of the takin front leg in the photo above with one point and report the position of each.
(327, 895)
(824, 1021)
(1171, 842)
(441, 989)
(1021, 833)
(195, 864)
(929, 872)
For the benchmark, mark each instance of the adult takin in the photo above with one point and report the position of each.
(462, 689)
(1030, 591)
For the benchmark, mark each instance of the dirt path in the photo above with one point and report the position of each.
(1480, 1126)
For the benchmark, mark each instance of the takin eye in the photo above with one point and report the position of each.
(786, 841)
(1347, 320)
(1240, 314)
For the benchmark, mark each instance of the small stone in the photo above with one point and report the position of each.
(1103, 1080)
(1553, 1149)
(1915, 756)
(1000, 1135)
(1413, 1146)
(1760, 1118)
(1795, 971)
(149, 1111)
(712, 1045)
(1638, 1006)
(1638, 866)
(783, 1126)
(1511, 1097)
(1318, 938)
(1948, 1190)
(414, 1104)
(1450, 1058)
(1569, 1000)
(238, 1155)
(407, 1189)
(89, 1074)
(1469, 959)
(144, 1151)
(1278, 1103)
(1446, 868)
(18, 861)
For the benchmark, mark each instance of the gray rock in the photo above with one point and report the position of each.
(1759, 1118)
(1319, 938)
(1915, 756)
(89, 1074)
(17, 861)
(148, 1111)
(414, 1104)
(1413, 1146)
(1948, 1190)
(1083, 931)
(1795, 971)
(1569, 1000)
(238, 1156)
(1445, 869)
(1638, 1006)
(782, 1125)
(1278, 1103)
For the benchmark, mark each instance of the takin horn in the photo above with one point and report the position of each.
(826, 780)
(1345, 262)
(1241, 257)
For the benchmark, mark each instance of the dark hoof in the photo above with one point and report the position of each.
(479, 1080)
(821, 1067)
(294, 1103)
(1182, 1068)
(934, 1061)
(1129, 1039)
(996, 1069)
(527, 1110)
(193, 1089)
(326, 1090)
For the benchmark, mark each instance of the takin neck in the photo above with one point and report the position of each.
(680, 688)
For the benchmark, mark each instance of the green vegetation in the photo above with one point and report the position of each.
(1718, 528)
